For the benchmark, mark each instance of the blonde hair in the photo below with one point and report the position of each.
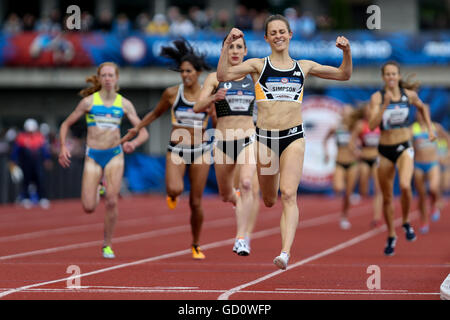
(358, 114)
(94, 79)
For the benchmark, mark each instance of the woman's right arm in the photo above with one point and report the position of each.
(80, 110)
(226, 72)
(330, 133)
(206, 97)
(376, 113)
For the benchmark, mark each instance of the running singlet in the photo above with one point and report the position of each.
(421, 137)
(343, 136)
(239, 99)
(369, 138)
(183, 114)
(280, 85)
(396, 115)
(442, 147)
(105, 117)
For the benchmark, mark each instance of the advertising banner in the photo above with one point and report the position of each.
(78, 49)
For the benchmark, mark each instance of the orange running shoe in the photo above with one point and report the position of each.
(171, 203)
(197, 253)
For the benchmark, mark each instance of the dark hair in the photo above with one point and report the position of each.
(182, 51)
(405, 84)
(243, 39)
(273, 18)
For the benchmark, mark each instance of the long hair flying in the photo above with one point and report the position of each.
(182, 51)
(407, 83)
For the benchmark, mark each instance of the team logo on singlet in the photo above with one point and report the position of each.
(187, 117)
(239, 100)
(284, 88)
(395, 116)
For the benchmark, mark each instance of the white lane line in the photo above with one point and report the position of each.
(174, 230)
(344, 290)
(106, 289)
(226, 295)
(260, 234)
(138, 236)
(85, 227)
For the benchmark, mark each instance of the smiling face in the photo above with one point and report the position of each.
(188, 74)
(278, 35)
(391, 76)
(108, 77)
(236, 52)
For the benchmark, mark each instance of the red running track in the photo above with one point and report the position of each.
(154, 262)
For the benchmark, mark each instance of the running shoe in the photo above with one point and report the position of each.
(409, 232)
(235, 247)
(425, 228)
(345, 224)
(389, 250)
(197, 253)
(171, 203)
(242, 247)
(436, 215)
(108, 253)
(282, 260)
(44, 203)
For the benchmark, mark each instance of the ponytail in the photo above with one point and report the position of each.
(409, 84)
(357, 114)
(404, 84)
(96, 86)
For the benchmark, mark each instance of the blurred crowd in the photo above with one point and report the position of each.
(172, 22)
(31, 151)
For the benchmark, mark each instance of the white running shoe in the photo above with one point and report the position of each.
(242, 248)
(235, 247)
(282, 261)
(345, 224)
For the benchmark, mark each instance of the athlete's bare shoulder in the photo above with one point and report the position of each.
(170, 92)
(86, 102)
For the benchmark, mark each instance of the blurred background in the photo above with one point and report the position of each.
(43, 65)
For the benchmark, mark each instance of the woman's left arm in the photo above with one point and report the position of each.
(342, 73)
(423, 109)
(130, 111)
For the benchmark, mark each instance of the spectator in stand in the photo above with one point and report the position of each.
(306, 25)
(104, 22)
(172, 14)
(49, 23)
(181, 26)
(13, 24)
(259, 19)
(199, 18)
(31, 153)
(158, 25)
(87, 21)
(324, 22)
(28, 22)
(121, 25)
(292, 16)
(223, 22)
(142, 22)
(242, 18)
